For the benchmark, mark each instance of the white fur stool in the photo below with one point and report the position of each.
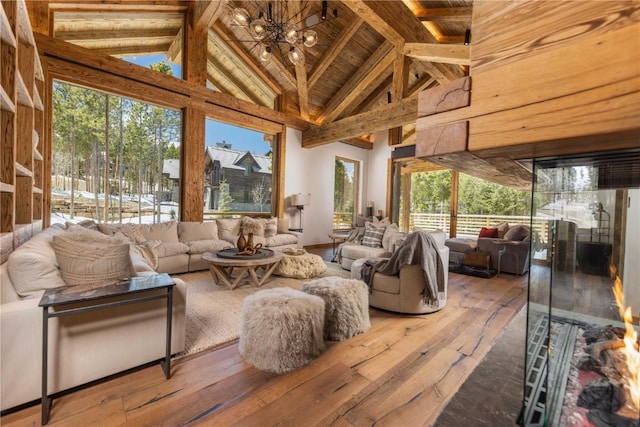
(346, 304)
(281, 329)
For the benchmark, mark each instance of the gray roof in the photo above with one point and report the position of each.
(229, 159)
(171, 168)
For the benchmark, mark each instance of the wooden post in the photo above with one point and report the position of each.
(194, 66)
(453, 219)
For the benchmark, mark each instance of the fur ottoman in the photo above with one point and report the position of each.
(346, 304)
(281, 329)
(299, 264)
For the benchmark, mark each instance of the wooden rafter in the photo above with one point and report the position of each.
(448, 54)
(334, 50)
(400, 74)
(364, 11)
(229, 82)
(206, 12)
(374, 97)
(118, 51)
(116, 34)
(444, 14)
(301, 75)
(386, 117)
(351, 91)
(119, 6)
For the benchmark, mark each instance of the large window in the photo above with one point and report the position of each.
(113, 159)
(238, 170)
(345, 193)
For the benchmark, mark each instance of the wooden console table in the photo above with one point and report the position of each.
(136, 289)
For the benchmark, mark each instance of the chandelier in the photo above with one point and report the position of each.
(279, 29)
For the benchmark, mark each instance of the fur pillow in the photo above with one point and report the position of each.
(253, 225)
(517, 233)
(502, 229)
(270, 227)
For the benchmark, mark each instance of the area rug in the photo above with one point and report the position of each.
(213, 311)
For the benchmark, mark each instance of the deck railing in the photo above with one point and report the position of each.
(468, 225)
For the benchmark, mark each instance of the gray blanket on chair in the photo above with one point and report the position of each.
(419, 248)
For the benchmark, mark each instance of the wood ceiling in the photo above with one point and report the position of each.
(373, 59)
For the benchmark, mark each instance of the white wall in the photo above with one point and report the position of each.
(631, 284)
(311, 170)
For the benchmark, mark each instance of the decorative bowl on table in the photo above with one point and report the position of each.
(235, 253)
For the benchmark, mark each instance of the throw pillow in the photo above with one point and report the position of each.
(164, 231)
(489, 232)
(228, 228)
(253, 225)
(95, 263)
(193, 231)
(373, 237)
(502, 228)
(283, 225)
(389, 233)
(270, 227)
(517, 233)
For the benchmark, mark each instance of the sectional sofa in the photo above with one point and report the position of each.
(92, 345)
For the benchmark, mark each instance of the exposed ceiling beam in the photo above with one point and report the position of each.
(206, 12)
(352, 90)
(386, 117)
(402, 19)
(374, 97)
(334, 50)
(364, 11)
(444, 14)
(119, 6)
(303, 91)
(174, 53)
(360, 143)
(442, 53)
(133, 50)
(116, 34)
(449, 39)
(400, 74)
(423, 83)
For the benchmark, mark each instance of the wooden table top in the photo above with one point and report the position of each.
(213, 258)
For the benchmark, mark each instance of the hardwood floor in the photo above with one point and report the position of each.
(402, 372)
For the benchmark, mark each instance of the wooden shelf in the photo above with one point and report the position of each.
(37, 101)
(22, 171)
(23, 94)
(6, 34)
(5, 101)
(6, 188)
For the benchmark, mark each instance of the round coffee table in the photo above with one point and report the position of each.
(222, 269)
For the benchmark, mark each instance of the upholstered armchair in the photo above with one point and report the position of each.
(403, 293)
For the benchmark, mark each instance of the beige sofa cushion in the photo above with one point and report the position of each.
(202, 246)
(228, 228)
(192, 231)
(166, 249)
(283, 225)
(33, 266)
(89, 262)
(280, 240)
(165, 231)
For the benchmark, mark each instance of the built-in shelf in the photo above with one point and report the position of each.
(23, 94)
(6, 102)
(6, 34)
(37, 101)
(6, 188)
(37, 155)
(37, 190)
(22, 171)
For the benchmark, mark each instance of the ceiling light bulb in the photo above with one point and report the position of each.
(241, 16)
(295, 55)
(291, 35)
(265, 53)
(258, 29)
(310, 38)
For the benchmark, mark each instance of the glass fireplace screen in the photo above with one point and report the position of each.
(582, 358)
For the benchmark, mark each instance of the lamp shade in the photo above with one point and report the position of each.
(301, 199)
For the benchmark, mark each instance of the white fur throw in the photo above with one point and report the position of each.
(281, 329)
(346, 304)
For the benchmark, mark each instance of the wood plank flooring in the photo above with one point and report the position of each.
(402, 372)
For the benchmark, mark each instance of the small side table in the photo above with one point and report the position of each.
(136, 287)
(340, 237)
(505, 250)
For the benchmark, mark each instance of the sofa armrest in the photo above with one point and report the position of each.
(299, 236)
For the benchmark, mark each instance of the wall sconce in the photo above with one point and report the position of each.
(300, 200)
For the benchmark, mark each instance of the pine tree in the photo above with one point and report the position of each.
(225, 199)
